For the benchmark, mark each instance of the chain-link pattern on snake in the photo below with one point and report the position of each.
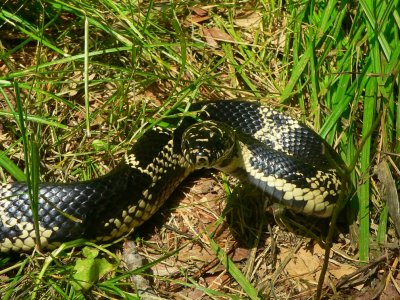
(275, 153)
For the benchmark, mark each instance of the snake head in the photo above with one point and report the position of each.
(207, 144)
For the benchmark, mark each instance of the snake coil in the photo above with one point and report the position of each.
(282, 157)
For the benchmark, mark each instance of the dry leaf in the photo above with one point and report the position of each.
(209, 39)
(218, 34)
(163, 269)
(240, 254)
(199, 15)
(303, 264)
(215, 34)
(341, 270)
(249, 20)
(199, 11)
(318, 250)
(198, 19)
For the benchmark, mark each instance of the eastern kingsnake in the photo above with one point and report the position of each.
(283, 158)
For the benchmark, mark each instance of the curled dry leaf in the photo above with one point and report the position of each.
(199, 15)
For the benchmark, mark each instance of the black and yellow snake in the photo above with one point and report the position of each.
(282, 157)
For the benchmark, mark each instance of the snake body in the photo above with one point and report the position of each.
(282, 157)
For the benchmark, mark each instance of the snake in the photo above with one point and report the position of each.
(276, 154)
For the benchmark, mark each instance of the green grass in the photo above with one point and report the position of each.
(81, 81)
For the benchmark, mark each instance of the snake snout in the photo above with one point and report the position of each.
(200, 158)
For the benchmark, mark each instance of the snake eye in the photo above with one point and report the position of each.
(206, 144)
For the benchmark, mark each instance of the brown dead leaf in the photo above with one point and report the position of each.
(240, 254)
(195, 255)
(199, 11)
(164, 270)
(214, 34)
(199, 15)
(320, 252)
(216, 280)
(198, 19)
(249, 20)
(340, 270)
(218, 34)
(209, 39)
(306, 264)
(303, 264)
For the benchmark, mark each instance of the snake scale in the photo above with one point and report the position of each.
(275, 153)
